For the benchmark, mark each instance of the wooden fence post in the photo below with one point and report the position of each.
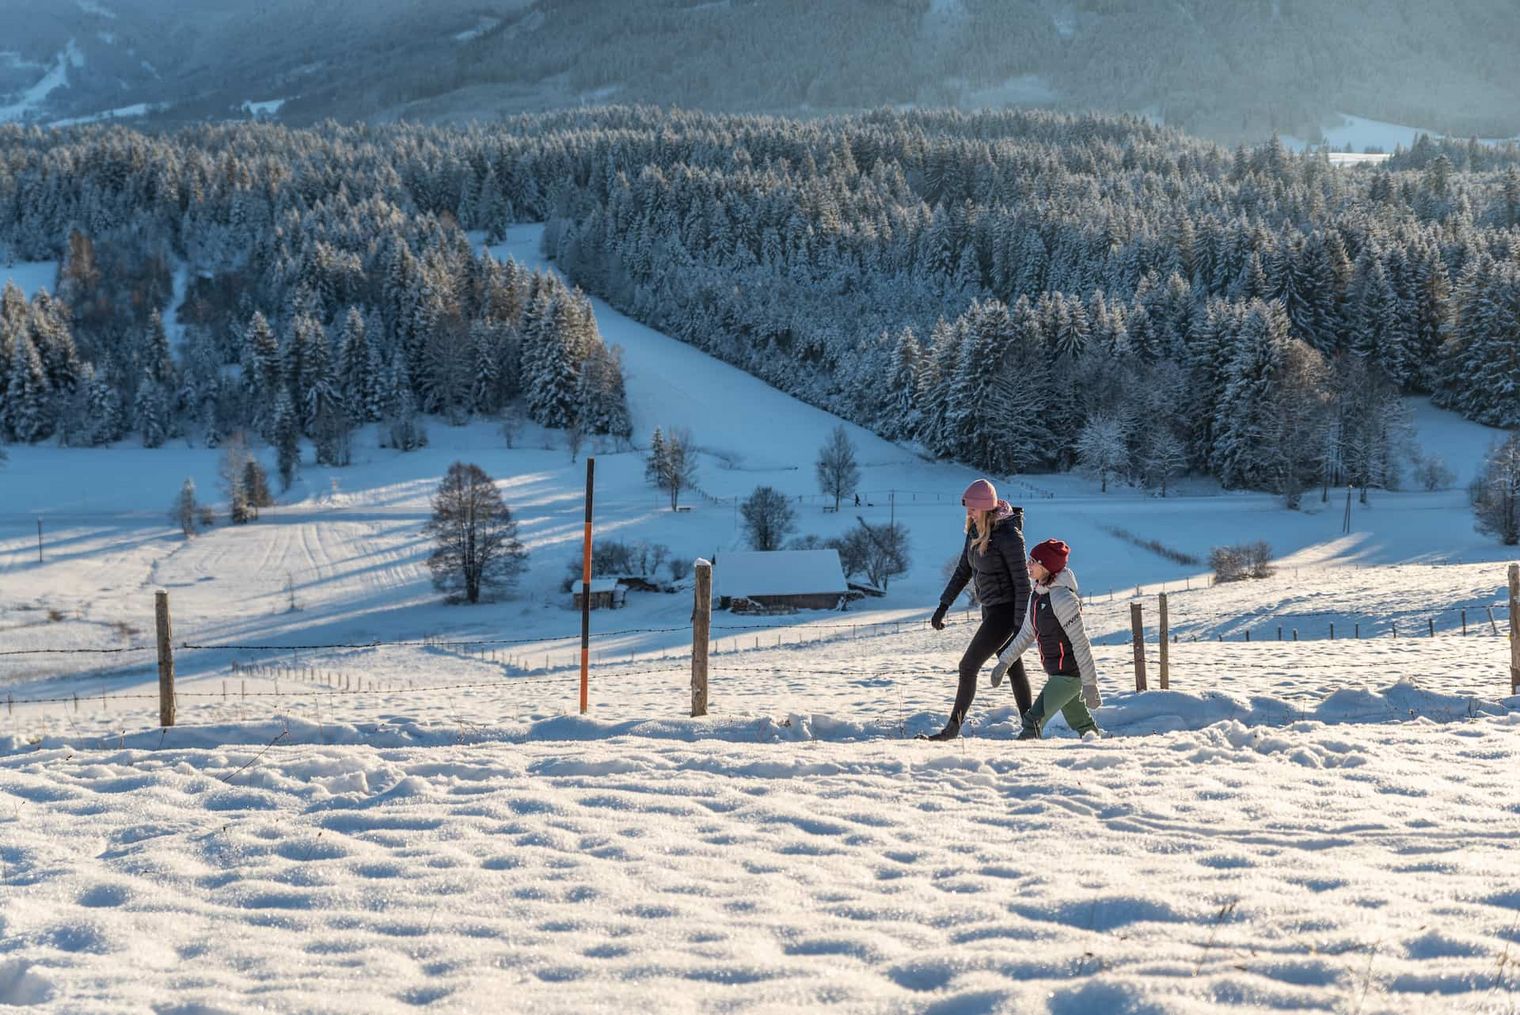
(701, 626)
(1137, 627)
(1514, 628)
(1164, 643)
(165, 659)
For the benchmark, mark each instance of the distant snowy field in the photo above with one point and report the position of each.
(1310, 825)
(1358, 134)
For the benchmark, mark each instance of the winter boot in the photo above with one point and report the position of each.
(1031, 730)
(951, 731)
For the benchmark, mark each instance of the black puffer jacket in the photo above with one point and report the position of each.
(1002, 573)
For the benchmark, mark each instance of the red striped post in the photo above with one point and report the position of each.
(586, 588)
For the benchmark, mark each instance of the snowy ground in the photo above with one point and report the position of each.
(30, 275)
(1358, 867)
(1359, 134)
(427, 823)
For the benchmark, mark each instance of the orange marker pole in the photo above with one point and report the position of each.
(586, 587)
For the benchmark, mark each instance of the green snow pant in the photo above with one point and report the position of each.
(1064, 695)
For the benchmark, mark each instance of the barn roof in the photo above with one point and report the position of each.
(598, 585)
(778, 573)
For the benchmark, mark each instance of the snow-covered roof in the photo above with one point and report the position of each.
(597, 585)
(778, 573)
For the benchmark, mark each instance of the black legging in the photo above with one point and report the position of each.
(999, 625)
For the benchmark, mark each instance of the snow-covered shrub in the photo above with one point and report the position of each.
(1433, 474)
(613, 558)
(1237, 563)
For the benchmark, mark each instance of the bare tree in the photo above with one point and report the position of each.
(234, 476)
(672, 463)
(575, 438)
(1432, 472)
(880, 552)
(1102, 449)
(1165, 458)
(768, 518)
(1495, 493)
(475, 538)
(838, 475)
(511, 424)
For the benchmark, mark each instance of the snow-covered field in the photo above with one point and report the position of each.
(30, 276)
(427, 823)
(1359, 134)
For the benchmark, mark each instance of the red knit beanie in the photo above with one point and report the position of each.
(980, 496)
(1051, 555)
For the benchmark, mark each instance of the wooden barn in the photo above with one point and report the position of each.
(779, 580)
(606, 594)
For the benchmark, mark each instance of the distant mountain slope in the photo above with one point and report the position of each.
(1236, 69)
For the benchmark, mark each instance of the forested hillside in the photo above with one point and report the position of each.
(1015, 290)
(320, 296)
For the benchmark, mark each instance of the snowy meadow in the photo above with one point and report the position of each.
(427, 822)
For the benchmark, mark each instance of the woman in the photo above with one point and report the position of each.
(1054, 623)
(993, 554)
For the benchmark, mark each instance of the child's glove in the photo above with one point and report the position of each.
(1090, 696)
(1000, 671)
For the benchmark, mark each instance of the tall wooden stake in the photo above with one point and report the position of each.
(1137, 626)
(39, 540)
(701, 628)
(1166, 674)
(586, 588)
(1514, 629)
(165, 659)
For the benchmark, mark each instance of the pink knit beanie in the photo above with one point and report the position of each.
(980, 496)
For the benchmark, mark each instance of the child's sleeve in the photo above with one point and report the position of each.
(1015, 648)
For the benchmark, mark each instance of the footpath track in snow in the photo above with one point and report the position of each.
(1316, 867)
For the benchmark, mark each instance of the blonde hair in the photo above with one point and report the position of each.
(982, 520)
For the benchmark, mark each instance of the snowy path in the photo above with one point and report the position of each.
(1364, 868)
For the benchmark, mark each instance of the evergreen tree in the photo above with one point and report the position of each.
(287, 439)
(901, 418)
(263, 373)
(358, 375)
(155, 356)
(28, 407)
(186, 512)
(1248, 403)
(150, 411)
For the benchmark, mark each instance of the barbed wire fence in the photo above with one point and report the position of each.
(516, 660)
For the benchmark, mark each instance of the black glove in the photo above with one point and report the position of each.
(938, 620)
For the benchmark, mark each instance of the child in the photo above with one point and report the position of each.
(1054, 625)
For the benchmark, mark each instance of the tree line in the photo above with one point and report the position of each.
(1015, 289)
